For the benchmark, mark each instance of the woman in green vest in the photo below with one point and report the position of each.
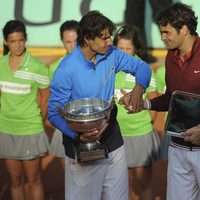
(23, 141)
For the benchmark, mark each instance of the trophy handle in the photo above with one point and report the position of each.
(112, 101)
(60, 111)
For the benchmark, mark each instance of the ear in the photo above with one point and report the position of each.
(87, 42)
(5, 42)
(184, 30)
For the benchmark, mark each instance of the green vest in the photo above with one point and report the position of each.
(19, 111)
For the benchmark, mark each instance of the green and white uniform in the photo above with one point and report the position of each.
(137, 129)
(19, 111)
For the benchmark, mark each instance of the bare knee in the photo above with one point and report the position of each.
(34, 180)
(144, 178)
(16, 180)
(143, 183)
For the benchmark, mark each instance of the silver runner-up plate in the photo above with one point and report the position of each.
(183, 113)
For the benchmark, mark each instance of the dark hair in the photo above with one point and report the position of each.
(130, 32)
(177, 15)
(92, 24)
(68, 25)
(11, 27)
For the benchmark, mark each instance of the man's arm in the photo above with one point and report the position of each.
(60, 89)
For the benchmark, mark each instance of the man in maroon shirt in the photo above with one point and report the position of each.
(178, 25)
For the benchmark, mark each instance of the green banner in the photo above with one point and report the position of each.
(44, 17)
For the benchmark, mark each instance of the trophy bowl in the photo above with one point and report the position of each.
(86, 114)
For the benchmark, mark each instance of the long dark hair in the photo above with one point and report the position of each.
(11, 27)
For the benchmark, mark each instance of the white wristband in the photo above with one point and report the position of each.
(148, 104)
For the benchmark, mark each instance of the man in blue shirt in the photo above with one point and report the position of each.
(89, 72)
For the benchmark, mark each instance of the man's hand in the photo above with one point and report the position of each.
(132, 101)
(94, 135)
(192, 135)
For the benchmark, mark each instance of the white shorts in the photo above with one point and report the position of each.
(105, 179)
(183, 176)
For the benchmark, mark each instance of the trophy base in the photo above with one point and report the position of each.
(97, 154)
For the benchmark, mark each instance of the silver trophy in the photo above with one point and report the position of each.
(84, 115)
